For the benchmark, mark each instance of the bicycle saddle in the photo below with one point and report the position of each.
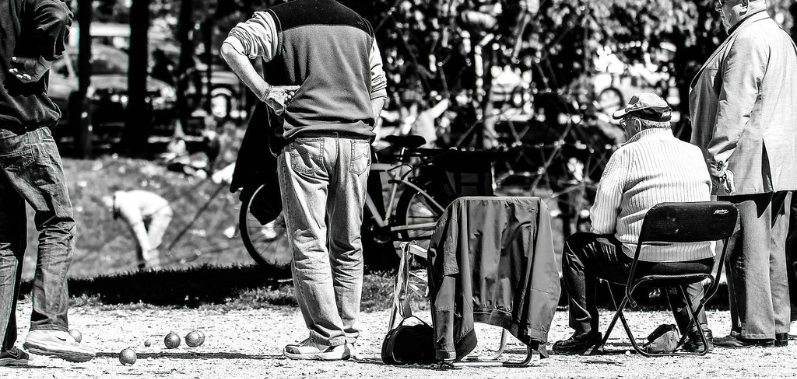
(408, 141)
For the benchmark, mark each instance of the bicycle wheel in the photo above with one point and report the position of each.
(263, 235)
(415, 209)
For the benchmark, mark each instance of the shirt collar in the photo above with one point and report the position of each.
(745, 20)
(650, 133)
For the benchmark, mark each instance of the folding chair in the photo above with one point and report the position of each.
(670, 224)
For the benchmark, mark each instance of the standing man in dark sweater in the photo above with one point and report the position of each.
(32, 35)
(324, 73)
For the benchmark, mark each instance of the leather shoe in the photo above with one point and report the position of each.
(694, 344)
(781, 339)
(578, 344)
(735, 341)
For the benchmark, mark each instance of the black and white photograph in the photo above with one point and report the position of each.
(398, 188)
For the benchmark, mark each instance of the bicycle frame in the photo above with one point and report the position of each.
(383, 221)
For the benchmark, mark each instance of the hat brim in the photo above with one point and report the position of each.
(620, 113)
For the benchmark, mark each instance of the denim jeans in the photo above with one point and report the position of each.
(323, 183)
(588, 257)
(32, 172)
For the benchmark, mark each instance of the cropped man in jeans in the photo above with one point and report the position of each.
(323, 57)
(33, 33)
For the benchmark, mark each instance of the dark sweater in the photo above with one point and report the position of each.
(324, 47)
(30, 28)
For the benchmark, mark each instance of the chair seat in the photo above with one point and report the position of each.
(672, 280)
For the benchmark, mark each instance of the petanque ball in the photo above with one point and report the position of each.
(201, 337)
(193, 339)
(127, 356)
(76, 335)
(147, 343)
(172, 340)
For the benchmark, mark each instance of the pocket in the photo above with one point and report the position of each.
(306, 155)
(360, 157)
(16, 153)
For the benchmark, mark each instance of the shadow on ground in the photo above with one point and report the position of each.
(191, 287)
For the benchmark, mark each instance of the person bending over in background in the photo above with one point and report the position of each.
(652, 167)
(148, 215)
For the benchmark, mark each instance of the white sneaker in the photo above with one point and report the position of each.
(352, 350)
(793, 329)
(57, 344)
(307, 349)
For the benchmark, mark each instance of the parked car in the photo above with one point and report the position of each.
(226, 91)
(108, 92)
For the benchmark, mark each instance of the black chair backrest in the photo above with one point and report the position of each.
(689, 222)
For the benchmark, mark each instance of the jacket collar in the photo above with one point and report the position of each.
(757, 16)
(652, 133)
(751, 19)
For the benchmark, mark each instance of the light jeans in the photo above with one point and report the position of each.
(31, 171)
(323, 184)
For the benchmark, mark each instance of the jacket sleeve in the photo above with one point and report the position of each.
(742, 73)
(52, 19)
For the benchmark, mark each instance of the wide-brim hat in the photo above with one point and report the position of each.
(647, 106)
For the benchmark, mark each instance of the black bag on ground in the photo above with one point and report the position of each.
(408, 344)
(664, 339)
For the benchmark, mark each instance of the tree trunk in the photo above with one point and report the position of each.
(138, 121)
(207, 39)
(80, 106)
(185, 66)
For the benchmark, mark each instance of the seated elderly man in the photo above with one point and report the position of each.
(650, 168)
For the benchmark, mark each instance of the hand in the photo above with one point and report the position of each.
(29, 70)
(723, 184)
(279, 96)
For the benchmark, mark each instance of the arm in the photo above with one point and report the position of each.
(255, 38)
(132, 215)
(378, 84)
(52, 20)
(742, 73)
(608, 198)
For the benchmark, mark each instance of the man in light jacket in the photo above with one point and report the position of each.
(744, 118)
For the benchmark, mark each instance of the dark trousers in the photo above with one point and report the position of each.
(791, 258)
(759, 290)
(31, 171)
(589, 257)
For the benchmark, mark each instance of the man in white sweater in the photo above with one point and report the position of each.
(652, 167)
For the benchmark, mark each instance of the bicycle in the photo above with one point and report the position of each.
(422, 183)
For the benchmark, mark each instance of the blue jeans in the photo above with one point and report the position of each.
(31, 171)
(323, 183)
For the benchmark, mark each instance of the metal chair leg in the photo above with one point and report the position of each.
(493, 360)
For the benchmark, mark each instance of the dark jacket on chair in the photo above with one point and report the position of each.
(491, 260)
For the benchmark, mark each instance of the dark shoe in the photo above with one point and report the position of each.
(578, 344)
(694, 344)
(13, 357)
(735, 341)
(781, 339)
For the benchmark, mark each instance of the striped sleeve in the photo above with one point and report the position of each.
(378, 80)
(256, 37)
(608, 198)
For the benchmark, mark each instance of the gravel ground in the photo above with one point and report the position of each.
(248, 344)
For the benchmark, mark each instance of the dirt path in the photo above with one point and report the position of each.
(248, 344)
